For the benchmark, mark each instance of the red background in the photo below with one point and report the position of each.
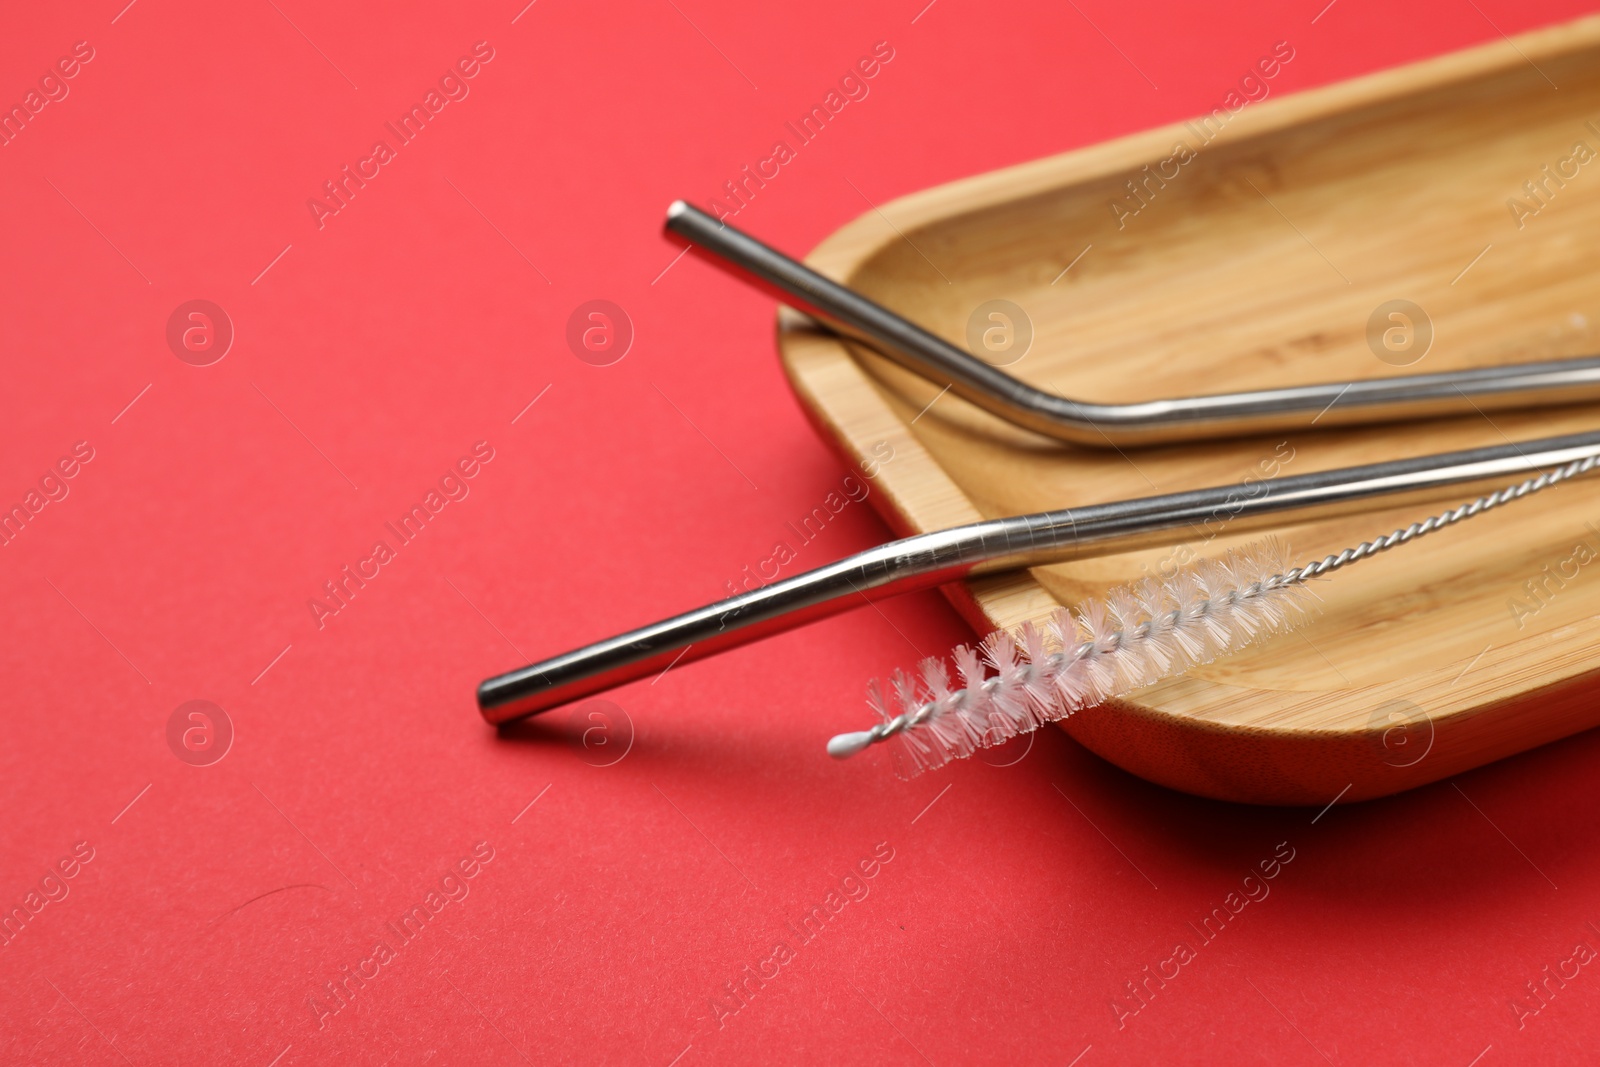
(419, 320)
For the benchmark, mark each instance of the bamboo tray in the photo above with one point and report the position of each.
(1260, 265)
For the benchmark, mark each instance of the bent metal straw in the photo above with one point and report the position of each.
(933, 559)
(1184, 418)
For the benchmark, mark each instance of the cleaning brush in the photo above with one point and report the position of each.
(1133, 637)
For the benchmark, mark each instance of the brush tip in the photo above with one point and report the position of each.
(843, 746)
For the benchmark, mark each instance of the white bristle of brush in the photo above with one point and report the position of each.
(1130, 638)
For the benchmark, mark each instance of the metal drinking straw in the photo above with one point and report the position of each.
(1519, 385)
(933, 559)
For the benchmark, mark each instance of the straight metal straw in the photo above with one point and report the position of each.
(1564, 381)
(933, 559)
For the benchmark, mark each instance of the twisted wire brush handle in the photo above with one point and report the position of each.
(1329, 564)
(933, 559)
(1183, 418)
